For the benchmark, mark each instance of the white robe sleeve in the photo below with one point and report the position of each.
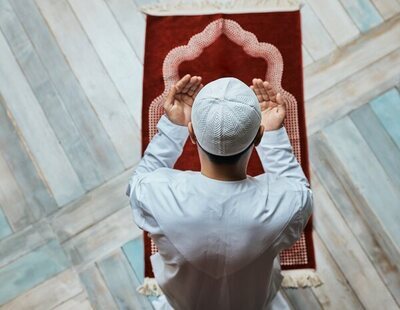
(163, 151)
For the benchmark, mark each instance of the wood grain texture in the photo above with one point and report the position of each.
(32, 269)
(122, 282)
(363, 13)
(134, 252)
(114, 50)
(98, 86)
(307, 59)
(315, 38)
(348, 61)
(339, 25)
(70, 91)
(76, 149)
(387, 8)
(38, 134)
(48, 294)
(79, 301)
(5, 228)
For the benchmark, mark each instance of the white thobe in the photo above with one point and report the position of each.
(218, 240)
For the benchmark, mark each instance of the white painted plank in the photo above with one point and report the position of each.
(387, 8)
(49, 293)
(114, 50)
(348, 253)
(307, 59)
(372, 47)
(315, 38)
(102, 238)
(352, 92)
(53, 163)
(363, 13)
(79, 301)
(132, 22)
(335, 19)
(98, 86)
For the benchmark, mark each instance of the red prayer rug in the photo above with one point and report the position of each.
(245, 46)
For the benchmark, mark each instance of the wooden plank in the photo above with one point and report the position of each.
(335, 293)
(76, 149)
(307, 59)
(32, 122)
(302, 298)
(387, 8)
(70, 91)
(122, 282)
(348, 253)
(32, 269)
(5, 228)
(102, 238)
(92, 208)
(315, 38)
(134, 252)
(363, 13)
(79, 301)
(13, 203)
(24, 241)
(99, 88)
(387, 109)
(114, 50)
(339, 25)
(351, 59)
(35, 193)
(132, 22)
(48, 294)
(352, 93)
(378, 139)
(98, 292)
(361, 164)
(381, 250)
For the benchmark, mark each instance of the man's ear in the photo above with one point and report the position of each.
(191, 133)
(259, 135)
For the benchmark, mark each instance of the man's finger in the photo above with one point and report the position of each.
(197, 90)
(280, 101)
(194, 87)
(270, 91)
(169, 101)
(189, 85)
(180, 85)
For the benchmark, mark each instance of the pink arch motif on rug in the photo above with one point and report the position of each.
(250, 44)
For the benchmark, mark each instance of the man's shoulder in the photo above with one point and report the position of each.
(162, 175)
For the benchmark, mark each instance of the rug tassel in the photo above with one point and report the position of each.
(300, 278)
(149, 287)
(184, 7)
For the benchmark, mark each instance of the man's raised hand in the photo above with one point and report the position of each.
(178, 105)
(272, 104)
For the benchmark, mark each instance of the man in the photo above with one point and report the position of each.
(219, 231)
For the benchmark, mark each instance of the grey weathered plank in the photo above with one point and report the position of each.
(48, 294)
(353, 92)
(68, 88)
(97, 84)
(352, 58)
(24, 241)
(302, 298)
(31, 270)
(77, 150)
(92, 208)
(348, 253)
(132, 22)
(35, 193)
(79, 301)
(372, 237)
(5, 228)
(102, 238)
(34, 127)
(379, 141)
(363, 13)
(387, 8)
(122, 282)
(114, 50)
(97, 290)
(134, 252)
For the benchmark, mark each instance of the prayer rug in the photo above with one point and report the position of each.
(264, 45)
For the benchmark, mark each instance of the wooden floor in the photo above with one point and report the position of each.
(70, 107)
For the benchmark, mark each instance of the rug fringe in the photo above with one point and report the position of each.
(149, 287)
(182, 7)
(300, 278)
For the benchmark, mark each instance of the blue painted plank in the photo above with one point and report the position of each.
(379, 141)
(5, 228)
(387, 109)
(363, 13)
(122, 282)
(31, 269)
(134, 251)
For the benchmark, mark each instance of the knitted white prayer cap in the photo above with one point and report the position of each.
(226, 116)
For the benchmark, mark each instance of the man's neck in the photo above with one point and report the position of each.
(224, 172)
